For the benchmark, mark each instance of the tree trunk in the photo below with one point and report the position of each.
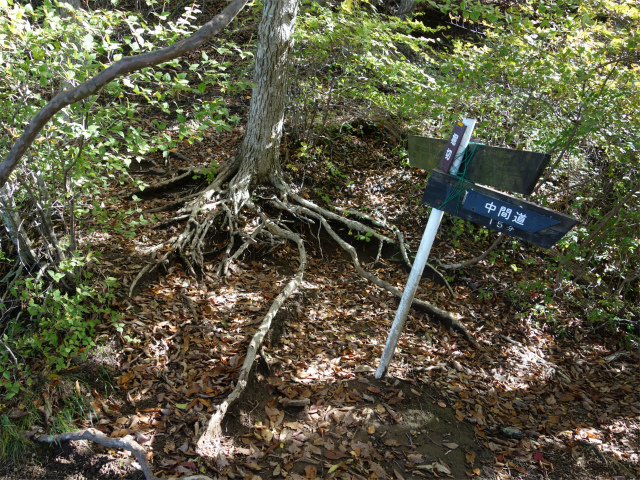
(13, 224)
(259, 151)
(406, 9)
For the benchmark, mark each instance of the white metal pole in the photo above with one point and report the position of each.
(418, 264)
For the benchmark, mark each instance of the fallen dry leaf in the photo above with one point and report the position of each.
(378, 470)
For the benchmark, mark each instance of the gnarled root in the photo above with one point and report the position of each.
(321, 215)
(125, 443)
(206, 211)
(209, 442)
(194, 229)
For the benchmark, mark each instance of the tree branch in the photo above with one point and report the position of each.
(118, 69)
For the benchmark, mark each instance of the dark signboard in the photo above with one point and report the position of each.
(498, 211)
(450, 150)
(517, 216)
(515, 171)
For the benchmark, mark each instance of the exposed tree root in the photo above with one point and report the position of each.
(478, 259)
(319, 214)
(214, 209)
(208, 444)
(127, 443)
(160, 185)
(190, 212)
(381, 238)
(167, 207)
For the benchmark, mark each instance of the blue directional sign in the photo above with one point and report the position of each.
(497, 211)
(507, 213)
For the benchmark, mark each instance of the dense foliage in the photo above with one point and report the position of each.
(50, 302)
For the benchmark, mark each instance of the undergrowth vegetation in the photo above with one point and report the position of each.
(536, 79)
(51, 302)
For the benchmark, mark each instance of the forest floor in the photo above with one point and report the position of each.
(538, 399)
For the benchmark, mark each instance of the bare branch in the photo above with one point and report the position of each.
(118, 69)
(125, 443)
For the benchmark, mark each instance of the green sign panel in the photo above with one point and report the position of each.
(515, 171)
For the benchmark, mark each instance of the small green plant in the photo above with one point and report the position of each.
(209, 173)
(334, 171)
(366, 237)
(53, 323)
(403, 155)
(323, 195)
(304, 150)
(458, 230)
(485, 294)
(13, 445)
(73, 405)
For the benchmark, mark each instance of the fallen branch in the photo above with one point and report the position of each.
(125, 443)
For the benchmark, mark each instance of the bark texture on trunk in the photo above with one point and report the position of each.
(406, 9)
(13, 224)
(260, 146)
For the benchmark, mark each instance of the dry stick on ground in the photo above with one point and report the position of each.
(208, 444)
(445, 317)
(125, 443)
(473, 261)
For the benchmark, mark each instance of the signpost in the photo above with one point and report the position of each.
(425, 245)
(511, 170)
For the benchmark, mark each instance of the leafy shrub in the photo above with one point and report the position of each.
(52, 305)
